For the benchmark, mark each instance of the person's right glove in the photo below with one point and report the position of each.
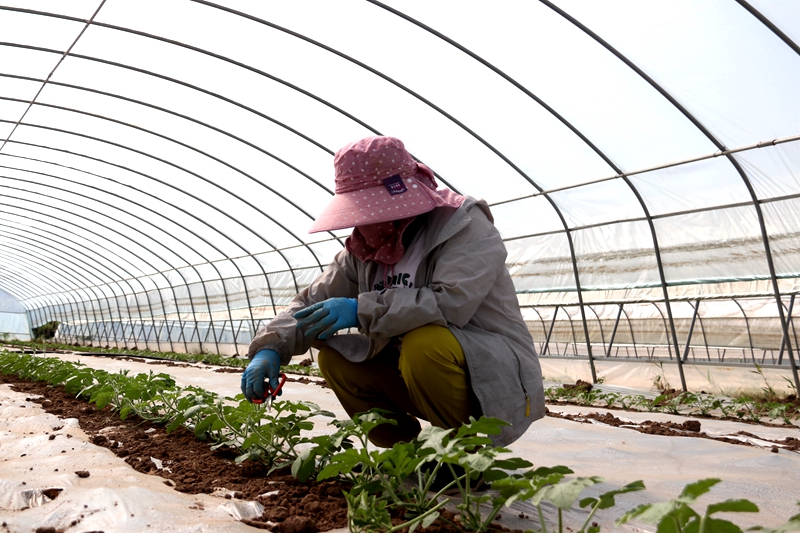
(266, 364)
(323, 319)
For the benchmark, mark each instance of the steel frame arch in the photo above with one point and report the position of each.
(145, 154)
(66, 293)
(747, 326)
(68, 223)
(630, 328)
(599, 325)
(124, 236)
(130, 275)
(189, 147)
(779, 306)
(666, 330)
(127, 225)
(454, 121)
(197, 235)
(61, 236)
(80, 285)
(151, 210)
(378, 73)
(538, 314)
(703, 331)
(140, 191)
(745, 179)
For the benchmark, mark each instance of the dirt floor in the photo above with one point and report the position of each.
(190, 466)
(689, 428)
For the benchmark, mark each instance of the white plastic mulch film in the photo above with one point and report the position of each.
(161, 162)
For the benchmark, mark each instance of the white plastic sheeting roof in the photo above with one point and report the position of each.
(632, 151)
(13, 318)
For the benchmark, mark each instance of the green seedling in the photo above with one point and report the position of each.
(605, 501)
(611, 399)
(676, 516)
(769, 392)
(384, 481)
(792, 525)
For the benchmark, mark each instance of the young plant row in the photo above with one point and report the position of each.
(683, 403)
(387, 484)
(272, 437)
(205, 358)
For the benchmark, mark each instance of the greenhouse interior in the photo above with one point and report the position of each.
(162, 162)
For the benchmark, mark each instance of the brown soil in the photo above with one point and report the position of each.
(689, 428)
(190, 466)
(580, 386)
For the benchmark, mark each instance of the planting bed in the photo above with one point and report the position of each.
(191, 467)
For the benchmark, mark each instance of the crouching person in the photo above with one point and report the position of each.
(423, 278)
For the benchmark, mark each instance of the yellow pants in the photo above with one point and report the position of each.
(425, 378)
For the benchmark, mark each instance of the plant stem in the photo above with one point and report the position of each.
(418, 518)
(588, 518)
(541, 518)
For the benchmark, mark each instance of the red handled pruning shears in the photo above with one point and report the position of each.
(270, 394)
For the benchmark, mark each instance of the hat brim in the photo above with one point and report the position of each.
(373, 205)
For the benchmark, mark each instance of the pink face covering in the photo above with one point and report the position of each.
(381, 242)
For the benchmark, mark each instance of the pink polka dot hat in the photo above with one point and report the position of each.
(377, 180)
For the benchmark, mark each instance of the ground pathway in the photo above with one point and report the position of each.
(768, 477)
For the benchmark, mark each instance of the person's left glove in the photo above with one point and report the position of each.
(266, 364)
(323, 319)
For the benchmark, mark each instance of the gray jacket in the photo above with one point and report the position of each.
(462, 283)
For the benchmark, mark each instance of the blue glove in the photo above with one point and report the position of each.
(266, 364)
(323, 319)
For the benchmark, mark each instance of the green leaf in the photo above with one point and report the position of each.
(304, 465)
(669, 525)
(476, 461)
(693, 490)
(103, 399)
(125, 411)
(544, 471)
(513, 463)
(650, 513)
(606, 499)
(714, 525)
(242, 458)
(564, 494)
(484, 426)
(792, 525)
(193, 410)
(175, 424)
(732, 506)
(250, 441)
(430, 519)
(205, 424)
(341, 463)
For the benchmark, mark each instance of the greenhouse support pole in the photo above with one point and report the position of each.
(550, 333)
(691, 330)
(747, 325)
(599, 326)
(783, 340)
(633, 339)
(574, 337)
(614, 331)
